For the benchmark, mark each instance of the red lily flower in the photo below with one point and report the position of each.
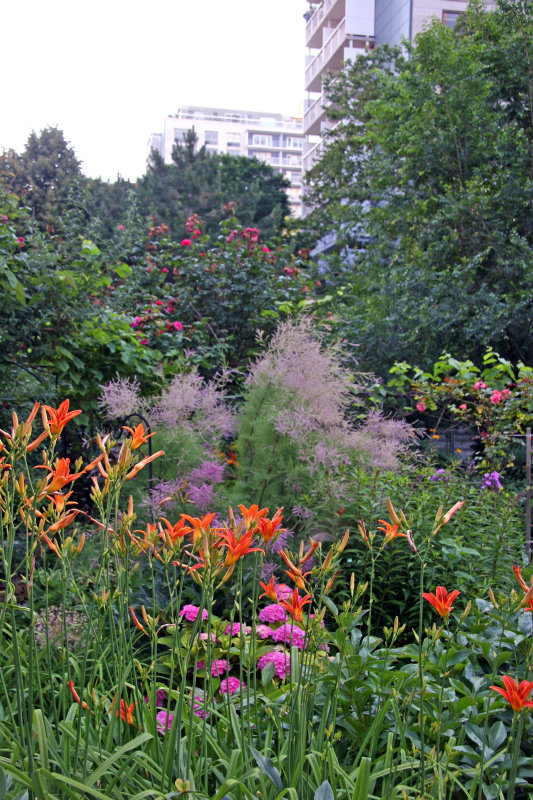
(441, 600)
(295, 607)
(515, 693)
(58, 417)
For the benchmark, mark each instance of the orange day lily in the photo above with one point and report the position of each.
(237, 548)
(252, 514)
(126, 712)
(138, 467)
(173, 532)
(391, 531)
(138, 435)
(269, 527)
(528, 599)
(56, 418)
(441, 600)
(60, 476)
(515, 693)
(294, 572)
(295, 607)
(76, 696)
(270, 590)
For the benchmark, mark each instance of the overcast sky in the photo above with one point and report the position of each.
(107, 72)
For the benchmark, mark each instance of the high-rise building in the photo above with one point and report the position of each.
(339, 30)
(273, 138)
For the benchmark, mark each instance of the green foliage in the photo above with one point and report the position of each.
(427, 184)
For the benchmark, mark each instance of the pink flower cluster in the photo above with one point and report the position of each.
(190, 612)
(231, 685)
(497, 396)
(290, 634)
(421, 406)
(478, 385)
(235, 629)
(272, 613)
(281, 661)
(164, 721)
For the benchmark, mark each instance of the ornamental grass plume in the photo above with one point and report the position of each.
(120, 397)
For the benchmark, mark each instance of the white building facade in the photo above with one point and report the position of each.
(273, 138)
(340, 30)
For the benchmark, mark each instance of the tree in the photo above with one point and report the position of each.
(42, 174)
(437, 185)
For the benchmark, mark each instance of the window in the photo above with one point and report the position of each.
(259, 140)
(450, 18)
(211, 137)
(293, 142)
(233, 139)
(179, 134)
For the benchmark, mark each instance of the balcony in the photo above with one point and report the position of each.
(329, 9)
(329, 58)
(314, 115)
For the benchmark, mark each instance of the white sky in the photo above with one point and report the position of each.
(107, 72)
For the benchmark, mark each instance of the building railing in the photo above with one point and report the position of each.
(315, 21)
(332, 44)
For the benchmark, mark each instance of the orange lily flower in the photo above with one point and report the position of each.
(252, 514)
(391, 531)
(200, 525)
(126, 712)
(237, 548)
(269, 527)
(270, 590)
(138, 467)
(294, 573)
(65, 520)
(528, 599)
(60, 476)
(58, 417)
(173, 532)
(515, 693)
(441, 600)
(138, 435)
(76, 696)
(295, 607)
(449, 514)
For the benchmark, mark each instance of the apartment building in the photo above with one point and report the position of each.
(273, 138)
(339, 30)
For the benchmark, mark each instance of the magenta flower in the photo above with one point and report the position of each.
(263, 631)
(281, 661)
(164, 721)
(143, 341)
(198, 705)
(235, 629)
(20, 240)
(121, 227)
(219, 667)
(159, 302)
(231, 685)
(479, 385)
(421, 406)
(290, 634)
(164, 270)
(272, 613)
(266, 249)
(496, 397)
(186, 243)
(190, 612)
(178, 326)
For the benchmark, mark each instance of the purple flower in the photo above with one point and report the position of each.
(281, 661)
(491, 480)
(198, 705)
(164, 721)
(219, 667)
(206, 472)
(191, 612)
(441, 475)
(272, 613)
(231, 685)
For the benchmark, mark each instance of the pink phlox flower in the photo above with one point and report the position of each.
(186, 243)
(235, 629)
(263, 631)
(281, 661)
(190, 612)
(283, 591)
(272, 613)
(178, 326)
(290, 634)
(204, 637)
(164, 721)
(198, 705)
(231, 685)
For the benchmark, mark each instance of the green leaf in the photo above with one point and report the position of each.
(331, 605)
(267, 673)
(267, 765)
